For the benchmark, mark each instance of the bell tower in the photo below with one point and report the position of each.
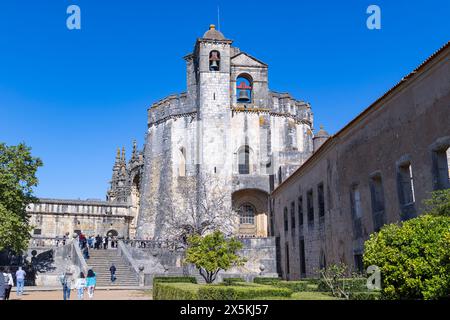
(212, 59)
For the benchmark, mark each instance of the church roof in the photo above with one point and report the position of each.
(213, 34)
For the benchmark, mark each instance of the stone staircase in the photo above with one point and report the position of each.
(100, 261)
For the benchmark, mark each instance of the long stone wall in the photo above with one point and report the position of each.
(359, 172)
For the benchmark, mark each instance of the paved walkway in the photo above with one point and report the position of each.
(99, 295)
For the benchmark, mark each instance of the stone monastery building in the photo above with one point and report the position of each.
(228, 127)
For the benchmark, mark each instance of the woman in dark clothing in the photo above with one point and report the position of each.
(113, 272)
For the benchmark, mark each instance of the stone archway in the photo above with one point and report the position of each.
(252, 206)
(112, 233)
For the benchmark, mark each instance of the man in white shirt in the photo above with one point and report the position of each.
(20, 277)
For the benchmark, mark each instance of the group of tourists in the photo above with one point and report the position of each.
(81, 284)
(7, 282)
(97, 242)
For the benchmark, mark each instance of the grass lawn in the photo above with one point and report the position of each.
(303, 296)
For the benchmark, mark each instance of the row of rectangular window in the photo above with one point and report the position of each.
(310, 208)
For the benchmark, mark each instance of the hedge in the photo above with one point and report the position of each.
(262, 280)
(189, 291)
(231, 281)
(175, 291)
(368, 295)
(214, 292)
(351, 285)
(298, 286)
(174, 280)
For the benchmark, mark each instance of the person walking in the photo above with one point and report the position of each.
(86, 252)
(90, 242)
(9, 282)
(91, 282)
(20, 279)
(113, 269)
(98, 242)
(105, 243)
(67, 283)
(2, 285)
(80, 285)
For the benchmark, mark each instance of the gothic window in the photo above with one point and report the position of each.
(406, 184)
(280, 176)
(244, 86)
(321, 200)
(302, 257)
(323, 261)
(310, 205)
(293, 216)
(286, 222)
(359, 264)
(441, 159)
(244, 160)
(182, 163)
(376, 189)
(355, 202)
(300, 211)
(247, 214)
(214, 60)
(287, 260)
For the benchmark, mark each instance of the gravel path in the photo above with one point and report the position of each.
(99, 295)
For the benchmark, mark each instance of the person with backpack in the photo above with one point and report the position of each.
(80, 285)
(91, 282)
(67, 283)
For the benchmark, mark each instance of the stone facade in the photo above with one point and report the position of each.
(378, 169)
(249, 143)
(52, 218)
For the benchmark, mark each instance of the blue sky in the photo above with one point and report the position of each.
(75, 96)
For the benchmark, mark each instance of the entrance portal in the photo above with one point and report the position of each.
(251, 204)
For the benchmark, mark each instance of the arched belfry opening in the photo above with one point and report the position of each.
(244, 88)
(214, 60)
(251, 206)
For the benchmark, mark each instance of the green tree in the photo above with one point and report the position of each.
(439, 204)
(17, 179)
(414, 258)
(213, 253)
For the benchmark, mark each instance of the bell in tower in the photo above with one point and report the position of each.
(243, 96)
(244, 91)
(214, 61)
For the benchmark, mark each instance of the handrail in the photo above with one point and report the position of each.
(122, 251)
(77, 257)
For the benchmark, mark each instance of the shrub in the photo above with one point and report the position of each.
(232, 281)
(262, 280)
(348, 284)
(175, 291)
(218, 292)
(189, 291)
(212, 253)
(413, 257)
(373, 295)
(439, 204)
(174, 280)
(298, 286)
